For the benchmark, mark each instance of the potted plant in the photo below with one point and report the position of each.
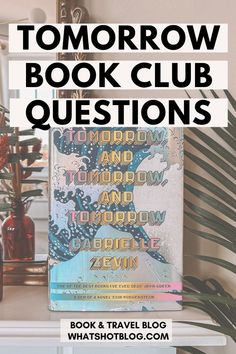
(18, 152)
(214, 220)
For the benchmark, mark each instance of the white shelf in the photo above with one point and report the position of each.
(26, 320)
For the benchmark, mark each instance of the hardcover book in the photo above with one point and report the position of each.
(116, 219)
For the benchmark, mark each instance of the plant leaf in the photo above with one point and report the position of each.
(224, 330)
(231, 99)
(32, 181)
(213, 172)
(231, 131)
(5, 207)
(226, 135)
(29, 142)
(12, 158)
(201, 285)
(232, 120)
(211, 217)
(220, 262)
(31, 156)
(209, 294)
(33, 169)
(6, 130)
(220, 241)
(216, 204)
(203, 94)
(191, 350)
(211, 225)
(213, 188)
(27, 132)
(202, 307)
(208, 297)
(6, 175)
(221, 313)
(229, 311)
(215, 146)
(230, 115)
(32, 193)
(12, 140)
(217, 287)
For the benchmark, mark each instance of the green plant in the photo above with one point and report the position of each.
(18, 152)
(215, 187)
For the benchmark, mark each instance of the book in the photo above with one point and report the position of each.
(116, 219)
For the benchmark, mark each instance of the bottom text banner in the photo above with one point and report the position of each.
(107, 330)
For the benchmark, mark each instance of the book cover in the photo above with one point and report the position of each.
(116, 219)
